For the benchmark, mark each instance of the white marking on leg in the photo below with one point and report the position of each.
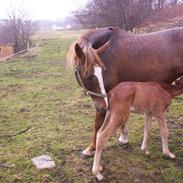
(124, 135)
(97, 168)
(88, 152)
(98, 74)
(147, 131)
(164, 136)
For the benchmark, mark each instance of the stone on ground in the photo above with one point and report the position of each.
(43, 162)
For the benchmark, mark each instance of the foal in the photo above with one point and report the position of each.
(150, 98)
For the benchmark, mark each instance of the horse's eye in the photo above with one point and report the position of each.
(90, 77)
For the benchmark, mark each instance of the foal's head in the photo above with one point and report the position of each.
(179, 81)
(89, 66)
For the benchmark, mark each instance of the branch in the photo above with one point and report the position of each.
(6, 166)
(18, 133)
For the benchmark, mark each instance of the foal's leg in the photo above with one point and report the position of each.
(108, 128)
(89, 151)
(164, 135)
(147, 131)
(123, 139)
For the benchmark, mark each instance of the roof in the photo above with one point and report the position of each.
(5, 39)
(4, 42)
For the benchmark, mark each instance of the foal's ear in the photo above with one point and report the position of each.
(79, 51)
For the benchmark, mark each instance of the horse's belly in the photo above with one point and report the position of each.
(144, 99)
(140, 109)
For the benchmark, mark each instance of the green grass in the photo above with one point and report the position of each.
(42, 93)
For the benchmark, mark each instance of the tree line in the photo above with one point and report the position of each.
(126, 14)
(17, 28)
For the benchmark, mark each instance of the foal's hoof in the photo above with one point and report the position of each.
(169, 156)
(85, 156)
(146, 152)
(123, 143)
(99, 177)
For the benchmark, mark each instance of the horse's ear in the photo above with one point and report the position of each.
(79, 51)
(103, 48)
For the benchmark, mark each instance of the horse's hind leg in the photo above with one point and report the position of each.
(123, 139)
(164, 135)
(89, 151)
(108, 128)
(147, 131)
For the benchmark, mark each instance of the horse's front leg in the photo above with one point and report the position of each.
(89, 151)
(123, 139)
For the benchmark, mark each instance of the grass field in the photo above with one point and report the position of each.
(42, 93)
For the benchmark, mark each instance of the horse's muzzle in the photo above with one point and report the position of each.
(101, 109)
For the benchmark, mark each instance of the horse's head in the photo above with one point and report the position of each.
(88, 73)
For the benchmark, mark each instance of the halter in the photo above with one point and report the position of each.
(86, 91)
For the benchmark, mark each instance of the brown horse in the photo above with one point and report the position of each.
(104, 57)
(151, 98)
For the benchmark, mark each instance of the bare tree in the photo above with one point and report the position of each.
(19, 28)
(175, 2)
(123, 13)
(126, 14)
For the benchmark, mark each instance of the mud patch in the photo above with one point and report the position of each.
(63, 88)
(116, 167)
(85, 106)
(179, 163)
(6, 90)
(32, 75)
(10, 88)
(20, 73)
(24, 110)
(12, 72)
(179, 99)
(174, 124)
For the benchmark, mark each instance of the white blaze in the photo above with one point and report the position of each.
(98, 74)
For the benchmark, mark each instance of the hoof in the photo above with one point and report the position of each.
(146, 152)
(85, 156)
(99, 177)
(170, 157)
(122, 143)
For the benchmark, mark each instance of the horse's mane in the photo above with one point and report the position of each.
(91, 54)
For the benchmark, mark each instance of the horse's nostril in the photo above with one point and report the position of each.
(101, 109)
(97, 108)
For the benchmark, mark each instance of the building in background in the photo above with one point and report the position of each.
(6, 48)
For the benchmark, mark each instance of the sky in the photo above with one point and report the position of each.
(43, 9)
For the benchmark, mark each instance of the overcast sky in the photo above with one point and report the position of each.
(43, 9)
